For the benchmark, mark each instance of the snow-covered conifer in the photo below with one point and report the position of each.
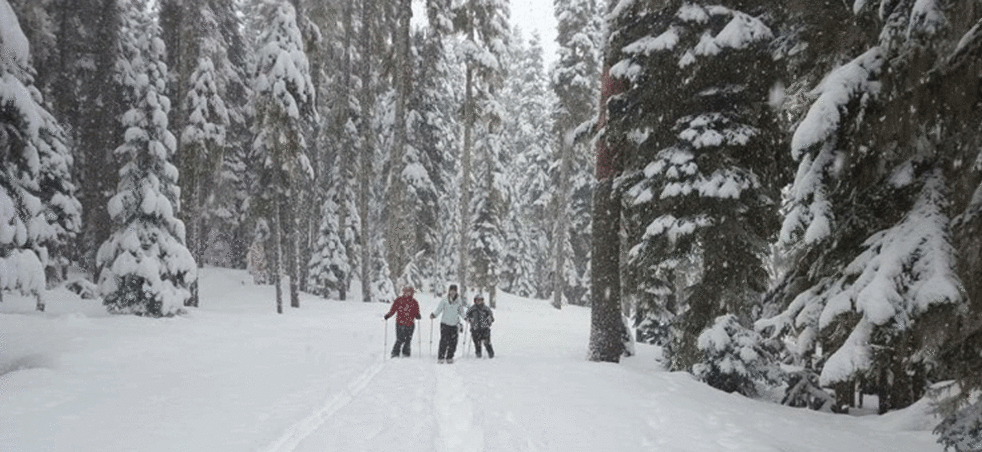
(284, 101)
(38, 208)
(699, 144)
(145, 268)
(328, 267)
(434, 135)
(735, 358)
(875, 279)
(483, 25)
(527, 125)
(575, 80)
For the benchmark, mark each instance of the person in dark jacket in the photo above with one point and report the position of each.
(406, 310)
(481, 317)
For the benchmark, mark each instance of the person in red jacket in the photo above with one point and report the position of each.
(406, 309)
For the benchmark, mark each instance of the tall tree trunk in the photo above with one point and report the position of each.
(99, 132)
(560, 226)
(465, 180)
(605, 314)
(179, 34)
(305, 220)
(400, 244)
(195, 240)
(293, 241)
(365, 172)
(276, 237)
(343, 110)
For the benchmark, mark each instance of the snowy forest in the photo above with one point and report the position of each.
(781, 194)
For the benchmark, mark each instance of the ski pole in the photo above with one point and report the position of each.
(431, 338)
(419, 340)
(385, 347)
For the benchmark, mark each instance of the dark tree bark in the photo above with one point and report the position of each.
(293, 242)
(343, 112)
(276, 238)
(401, 246)
(465, 180)
(606, 326)
(368, 143)
(560, 226)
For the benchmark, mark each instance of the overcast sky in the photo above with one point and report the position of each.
(532, 15)
(529, 15)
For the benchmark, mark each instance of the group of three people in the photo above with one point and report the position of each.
(451, 310)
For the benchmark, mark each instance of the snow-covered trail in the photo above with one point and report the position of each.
(234, 376)
(539, 394)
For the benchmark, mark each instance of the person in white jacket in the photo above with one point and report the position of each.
(451, 311)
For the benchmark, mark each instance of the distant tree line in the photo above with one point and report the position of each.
(331, 143)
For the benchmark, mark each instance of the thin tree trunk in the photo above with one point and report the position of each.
(400, 244)
(605, 317)
(465, 177)
(560, 226)
(366, 152)
(307, 193)
(277, 253)
(343, 109)
(292, 235)
(195, 240)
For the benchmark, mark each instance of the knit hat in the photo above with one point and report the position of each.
(453, 287)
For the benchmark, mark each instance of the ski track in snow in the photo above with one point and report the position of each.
(455, 414)
(299, 431)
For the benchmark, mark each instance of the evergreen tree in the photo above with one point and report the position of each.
(284, 100)
(226, 219)
(484, 30)
(331, 262)
(366, 144)
(39, 25)
(486, 236)
(38, 209)
(145, 267)
(407, 175)
(575, 82)
(605, 279)
(202, 76)
(433, 136)
(736, 359)
(527, 189)
(88, 98)
(328, 267)
(702, 169)
(877, 273)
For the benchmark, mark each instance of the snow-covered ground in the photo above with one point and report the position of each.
(235, 376)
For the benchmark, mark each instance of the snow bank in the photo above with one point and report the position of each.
(234, 376)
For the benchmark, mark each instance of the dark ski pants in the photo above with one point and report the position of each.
(448, 341)
(404, 338)
(482, 336)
